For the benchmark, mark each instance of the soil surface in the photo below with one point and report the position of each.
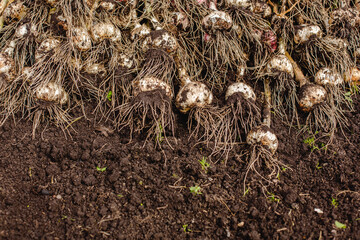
(97, 185)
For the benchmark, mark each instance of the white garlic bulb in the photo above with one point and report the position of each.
(280, 63)
(304, 32)
(326, 76)
(81, 38)
(311, 95)
(240, 87)
(193, 94)
(45, 47)
(217, 20)
(263, 135)
(52, 92)
(102, 31)
(150, 84)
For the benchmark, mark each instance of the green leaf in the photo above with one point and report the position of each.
(340, 225)
(109, 95)
(101, 169)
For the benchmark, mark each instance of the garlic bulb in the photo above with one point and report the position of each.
(7, 68)
(52, 92)
(310, 96)
(350, 15)
(161, 39)
(14, 11)
(240, 87)
(45, 47)
(327, 76)
(95, 69)
(150, 84)
(262, 8)
(193, 94)
(263, 135)
(81, 38)
(52, 2)
(240, 3)
(102, 31)
(217, 20)
(108, 5)
(280, 63)
(140, 31)
(304, 32)
(26, 30)
(353, 76)
(125, 60)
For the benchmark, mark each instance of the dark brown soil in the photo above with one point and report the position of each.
(96, 185)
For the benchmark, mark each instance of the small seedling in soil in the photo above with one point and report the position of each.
(99, 169)
(310, 141)
(204, 164)
(159, 137)
(273, 198)
(334, 202)
(247, 190)
(196, 190)
(340, 225)
(185, 228)
(109, 95)
(318, 167)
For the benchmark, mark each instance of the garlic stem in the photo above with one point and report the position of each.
(3, 5)
(299, 75)
(267, 102)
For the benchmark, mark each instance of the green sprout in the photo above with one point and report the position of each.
(204, 164)
(246, 191)
(273, 198)
(334, 202)
(347, 96)
(340, 225)
(109, 96)
(318, 167)
(159, 137)
(99, 169)
(196, 190)
(185, 228)
(310, 141)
